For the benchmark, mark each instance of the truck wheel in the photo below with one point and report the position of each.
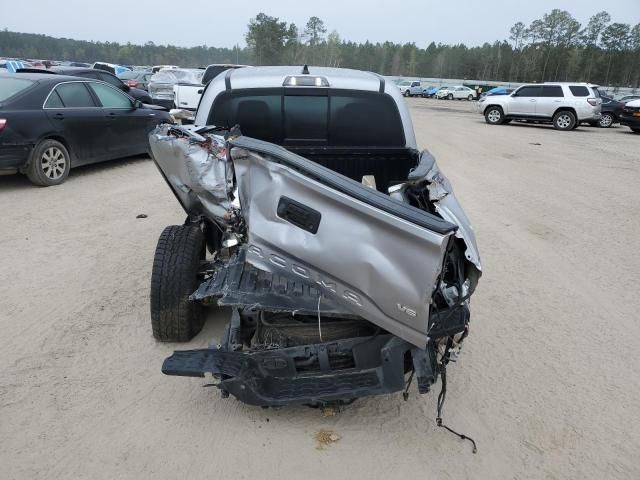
(564, 120)
(494, 116)
(606, 120)
(406, 93)
(176, 264)
(49, 165)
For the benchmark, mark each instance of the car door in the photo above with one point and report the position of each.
(128, 126)
(523, 101)
(550, 99)
(73, 110)
(415, 88)
(374, 255)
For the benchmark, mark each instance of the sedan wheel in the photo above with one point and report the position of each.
(606, 120)
(50, 164)
(450, 96)
(469, 98)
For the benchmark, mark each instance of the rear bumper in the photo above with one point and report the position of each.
(310, 374)
(14, 156)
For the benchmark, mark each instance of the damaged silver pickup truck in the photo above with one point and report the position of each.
(342, 250)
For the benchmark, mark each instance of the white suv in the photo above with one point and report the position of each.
(565, 105)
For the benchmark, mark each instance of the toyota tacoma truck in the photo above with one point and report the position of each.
(340, 247)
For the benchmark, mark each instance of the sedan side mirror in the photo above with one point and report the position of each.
(138, 104)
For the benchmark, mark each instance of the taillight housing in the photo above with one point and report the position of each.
(132, 83)
(3, 123)
(592, 101)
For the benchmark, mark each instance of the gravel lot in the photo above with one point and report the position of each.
(547, 382)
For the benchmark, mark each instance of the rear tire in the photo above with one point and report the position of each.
(469, 98)
(49, 165)
(564, 120)
(635, 129)
(176, 264)
(494, 116)
(450, 96)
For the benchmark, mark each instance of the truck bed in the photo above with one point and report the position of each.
(387, 165)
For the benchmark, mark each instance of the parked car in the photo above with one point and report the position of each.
(610, 112)
(565, 105)
(216, 69)
(136, 79)
(497, 91)
(157, 68)
(322, 192)
(410, 88)
(161, 86)
(429, 92)
(11, 66)
(627, 98)
(458, 92)
(110, 67)
(52, 123)
(95, 74)
(630, 115)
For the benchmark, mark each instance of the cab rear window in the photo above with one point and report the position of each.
(10, 87)
(343, 118)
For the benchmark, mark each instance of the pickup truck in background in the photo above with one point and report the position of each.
(187, 95)
(341, 249)
(162, 86)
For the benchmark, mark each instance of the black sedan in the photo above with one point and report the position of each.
(631, 116)
(95, 74)
(51, 123)
(611, 111)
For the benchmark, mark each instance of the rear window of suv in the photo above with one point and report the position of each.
(343, 118)
(12, 86)
(579, 91)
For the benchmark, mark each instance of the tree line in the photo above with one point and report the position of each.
(555, 47)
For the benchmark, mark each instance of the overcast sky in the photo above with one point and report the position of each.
(215, 23)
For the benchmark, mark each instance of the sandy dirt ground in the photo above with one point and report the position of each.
(547, 382)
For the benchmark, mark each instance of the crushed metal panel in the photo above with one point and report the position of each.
(239, 284)
(196, 169)
(379, 266)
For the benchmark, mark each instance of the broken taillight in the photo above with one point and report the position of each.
(592, 101)
(3, 123)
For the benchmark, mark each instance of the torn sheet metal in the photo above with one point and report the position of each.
(376, 264)
(196, 168)
(445, 203)
(237, 283)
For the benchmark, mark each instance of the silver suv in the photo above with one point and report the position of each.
(565, 105)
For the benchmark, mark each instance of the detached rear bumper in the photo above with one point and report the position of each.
(310, 374)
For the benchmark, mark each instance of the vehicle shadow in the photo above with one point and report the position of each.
(19, 181)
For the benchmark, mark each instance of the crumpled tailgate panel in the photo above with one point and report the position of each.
(381, 267)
